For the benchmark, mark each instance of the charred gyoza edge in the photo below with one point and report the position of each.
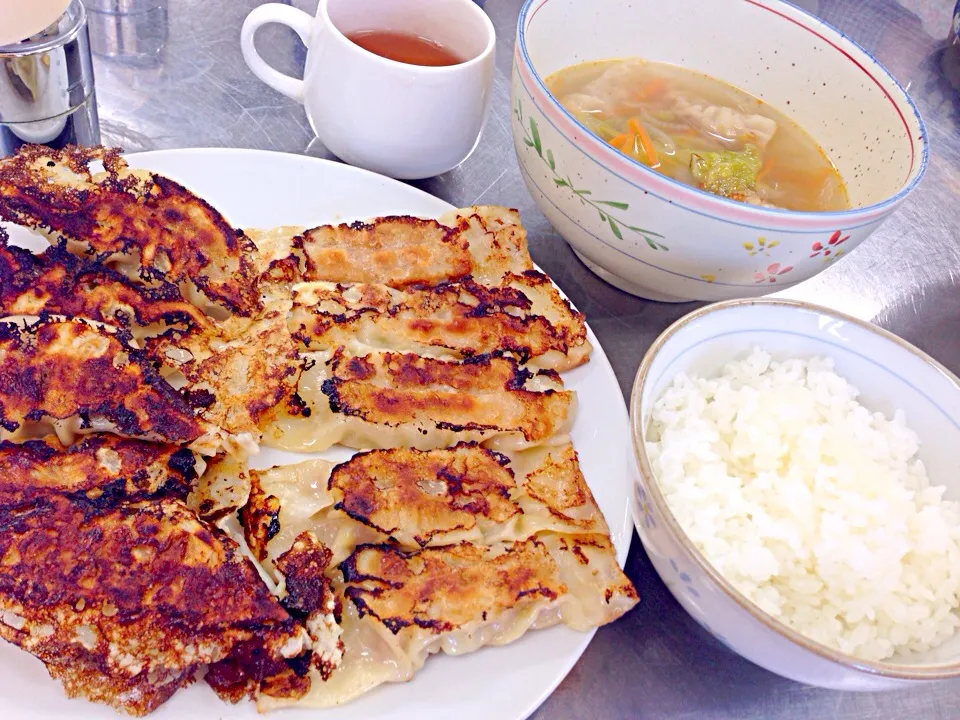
(416, 498)
(483, 242)
(111, 581)
(403, 400)
(56, 281)
(231, 371)
(148, 224)
(81, 377)
(400, 606)
(524, 317)
(100, 468)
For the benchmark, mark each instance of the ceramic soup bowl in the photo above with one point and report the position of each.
(657, 238)
(890, 374)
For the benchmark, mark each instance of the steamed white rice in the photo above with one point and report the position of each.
(814, 507)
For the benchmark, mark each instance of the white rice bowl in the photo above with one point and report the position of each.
(815, 508)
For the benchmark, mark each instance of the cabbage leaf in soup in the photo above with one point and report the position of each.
(730, 173)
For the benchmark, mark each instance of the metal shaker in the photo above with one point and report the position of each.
(46, 87)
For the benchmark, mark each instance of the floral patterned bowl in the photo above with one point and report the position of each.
(890, 374)
(662, 240)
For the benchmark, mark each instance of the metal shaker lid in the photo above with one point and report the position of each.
(49, 74)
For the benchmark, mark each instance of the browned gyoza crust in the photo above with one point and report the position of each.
(167, 230)
(54, 370)
(460, 587)
(110, 580)
(309, 594)
(397, 492)
(417, 498)
(481, 393)
(59, 282)
(442, 589)
(260, 517)
(465, 318)
(235, 370)
(401, 251)
(309, 597)
(396, 250)
(98, 467)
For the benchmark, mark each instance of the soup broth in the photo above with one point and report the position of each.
(702, 132)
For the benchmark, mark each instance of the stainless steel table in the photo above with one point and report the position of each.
(174, 77)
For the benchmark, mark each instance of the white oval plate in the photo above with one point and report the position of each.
(254, 188)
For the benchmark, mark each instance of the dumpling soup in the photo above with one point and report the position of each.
(701, 132)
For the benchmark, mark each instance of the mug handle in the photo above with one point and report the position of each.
(300, 21)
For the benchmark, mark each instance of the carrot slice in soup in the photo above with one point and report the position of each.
(646, 143)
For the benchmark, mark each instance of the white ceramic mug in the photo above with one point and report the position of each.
(405, 121)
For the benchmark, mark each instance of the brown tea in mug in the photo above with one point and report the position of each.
(404, 47)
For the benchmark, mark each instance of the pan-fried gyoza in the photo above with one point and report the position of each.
(418, 498)
(115, 585)
(385, 400)
(484, 243)
(56, 281)
(141, 222)
(74, 377)
(149, 350)
(436, 550)
(524, 317)
(230, 371)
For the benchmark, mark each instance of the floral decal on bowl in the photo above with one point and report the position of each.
(532, 140)
(644, 505)
(710, 278)
(685, 579)
(762, 246)
(832, 250)
(771, 273)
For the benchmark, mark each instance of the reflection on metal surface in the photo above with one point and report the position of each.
(950, 58)
(47, 89)
(941, 305)
(861, 303)
(132, 32)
